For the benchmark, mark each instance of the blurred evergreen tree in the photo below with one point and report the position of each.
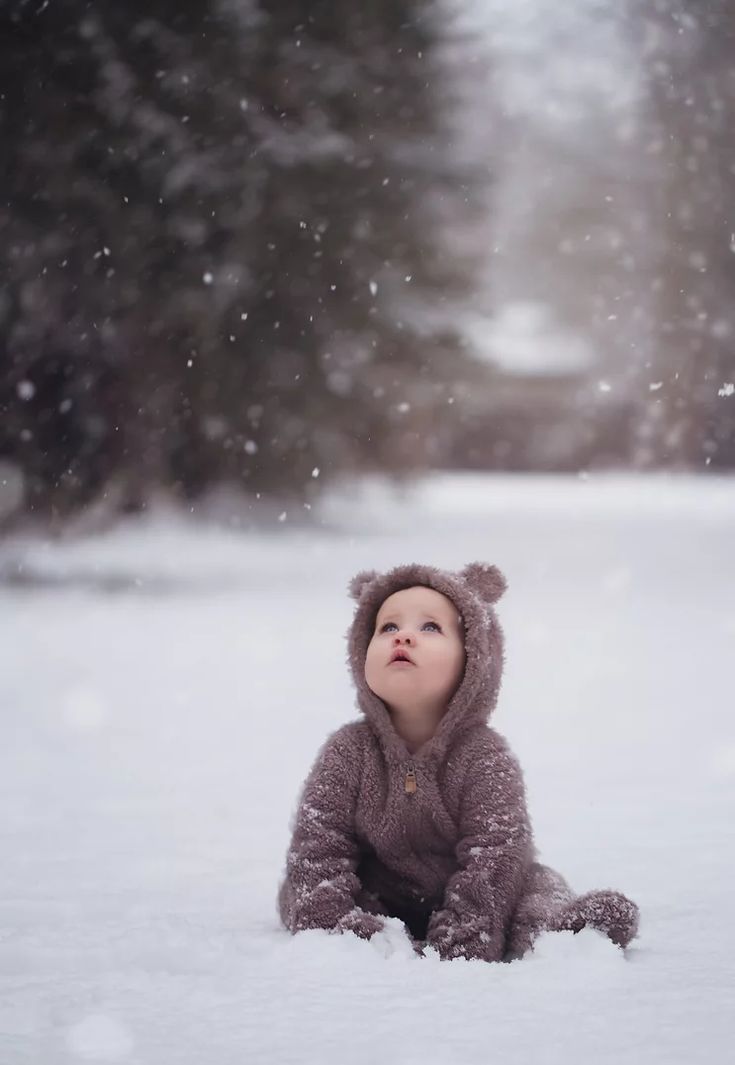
(688, 421)
(223, 251)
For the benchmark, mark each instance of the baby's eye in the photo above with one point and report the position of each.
(389, 624)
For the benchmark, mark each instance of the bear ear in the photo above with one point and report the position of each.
(360, 581)
(486, 580)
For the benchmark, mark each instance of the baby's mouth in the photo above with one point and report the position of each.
(401, 659)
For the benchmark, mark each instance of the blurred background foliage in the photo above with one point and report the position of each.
(269, 245)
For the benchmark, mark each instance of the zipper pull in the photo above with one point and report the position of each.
(410, 781)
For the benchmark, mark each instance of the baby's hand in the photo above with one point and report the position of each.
(468, 939)
(360, 923)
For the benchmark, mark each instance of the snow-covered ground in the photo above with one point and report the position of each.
(164, 689)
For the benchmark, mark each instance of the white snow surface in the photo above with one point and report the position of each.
(164, 689)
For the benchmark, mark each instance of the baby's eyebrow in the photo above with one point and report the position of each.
(392, 617)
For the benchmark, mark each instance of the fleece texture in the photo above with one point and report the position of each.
(441, 838)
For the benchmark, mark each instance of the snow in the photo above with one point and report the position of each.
(165, 688)
(526, 339)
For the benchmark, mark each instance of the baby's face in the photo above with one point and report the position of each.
(426, 626)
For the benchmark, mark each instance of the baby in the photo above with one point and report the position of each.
(419, 810)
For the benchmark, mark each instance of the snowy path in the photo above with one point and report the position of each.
(154, 740)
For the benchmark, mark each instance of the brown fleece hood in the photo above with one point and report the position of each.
(474, 590)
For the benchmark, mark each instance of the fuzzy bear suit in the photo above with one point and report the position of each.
(440, 838)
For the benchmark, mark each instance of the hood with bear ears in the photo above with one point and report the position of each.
(473, 590)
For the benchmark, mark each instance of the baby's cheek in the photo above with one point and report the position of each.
(369, 670)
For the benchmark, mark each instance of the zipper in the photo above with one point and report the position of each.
(409, 784)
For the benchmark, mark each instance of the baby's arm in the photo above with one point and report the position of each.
(321, 882)
(494, 853)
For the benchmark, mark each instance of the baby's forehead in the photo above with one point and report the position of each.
(421, 597)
